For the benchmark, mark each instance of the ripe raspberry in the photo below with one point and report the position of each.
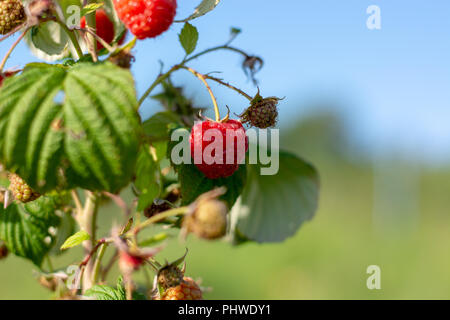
(208, 164)
(262, 112)
(20, 190)
(104, 26)
(146, 18)
(186, 290)
(12, 14)
(209, 220)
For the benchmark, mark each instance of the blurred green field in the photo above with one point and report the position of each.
(328, 257)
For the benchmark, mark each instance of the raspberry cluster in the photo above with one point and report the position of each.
(12, 14)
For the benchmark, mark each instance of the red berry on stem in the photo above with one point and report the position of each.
(218, 167)
(146, 18)
(104, 26)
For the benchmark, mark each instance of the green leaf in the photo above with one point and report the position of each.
(157, 126)
(272, 208)
(90, 8)
(48, 41)
(203, 8)
(56, 127)
(188, 38)
(25, 228)
(103, 292)
(193, 183)
(75, 239)
(147, 180)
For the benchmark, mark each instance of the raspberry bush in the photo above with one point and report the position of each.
(72, 139)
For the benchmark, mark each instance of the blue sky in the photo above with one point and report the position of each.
(392, 85)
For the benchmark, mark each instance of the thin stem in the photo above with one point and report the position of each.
(158, 217)
(164, 76)
(99, 39)
(129, 289)
(72, 38)
(91, 253)
(91, 24)
(98, 262)
(77, 201)
(119, 202)
(225, 47)
(14, 45)
(89, 225)
(226, 84)
(203, 79)
(50, 264)
(158, 80)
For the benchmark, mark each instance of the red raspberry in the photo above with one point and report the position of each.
(146, 18)
(219, 168)
(186, 290)
(104, 26)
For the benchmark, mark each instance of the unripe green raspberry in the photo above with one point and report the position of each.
(209, 220)
(12, 14)
(20, 190)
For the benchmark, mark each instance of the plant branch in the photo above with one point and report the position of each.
(88, 224)
(99, 39)
(226, 84)
(203, 79)
(224, 47)
(91, 24)
(72, 38)
(77, 201)
(14, 45)
(119, 202)
(156, 218)
(164, 76)
(98, 262)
